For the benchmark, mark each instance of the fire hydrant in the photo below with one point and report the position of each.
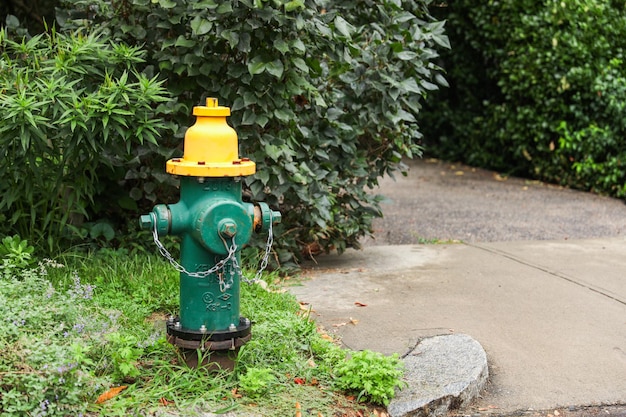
(213, 223)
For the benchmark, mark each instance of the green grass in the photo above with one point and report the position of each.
(73, 332)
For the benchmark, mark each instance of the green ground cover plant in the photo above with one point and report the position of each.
(79, 327)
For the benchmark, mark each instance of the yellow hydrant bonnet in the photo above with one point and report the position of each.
(211, 147)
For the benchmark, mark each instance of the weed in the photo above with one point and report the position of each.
(15, 254)
(257, 381)
(371, 374)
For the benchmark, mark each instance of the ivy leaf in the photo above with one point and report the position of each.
(244, 42)
(261, 120)
(343, 27)
(281, 46)
(298, 45)
(293, 5)
(411, 86)
(232, 37)
(224, 8)
(185, 43)
(300, 64)
(283, 115)
(406, 55)
(102, 229)
(275, 68)
(248, 117)
(12, 22)
(256, 66)
(200, 26)
(428, 85)
(167, 4)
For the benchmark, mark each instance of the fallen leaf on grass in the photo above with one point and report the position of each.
(165, 402)
(235, 393)
(112, 392)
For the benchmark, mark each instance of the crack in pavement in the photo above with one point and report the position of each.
(546, 270)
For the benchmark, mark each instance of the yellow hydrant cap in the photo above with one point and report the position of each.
(211, 147)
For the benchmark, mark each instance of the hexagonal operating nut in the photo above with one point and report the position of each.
(145, 222)
(228, 229)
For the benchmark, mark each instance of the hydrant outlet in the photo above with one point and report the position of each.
(264, 217)
(160, 217)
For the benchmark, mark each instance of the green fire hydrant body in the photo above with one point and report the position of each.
(213, 223)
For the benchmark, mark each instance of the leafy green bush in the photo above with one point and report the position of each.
(537, 89)
(76, 116)
(324, 95)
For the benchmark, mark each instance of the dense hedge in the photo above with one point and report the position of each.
(537, 88)
(324, 95)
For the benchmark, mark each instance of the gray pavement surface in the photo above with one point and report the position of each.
(534, 273)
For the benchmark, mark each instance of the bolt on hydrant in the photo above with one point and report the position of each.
(213, 223)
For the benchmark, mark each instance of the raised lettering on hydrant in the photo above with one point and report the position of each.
(213, 223)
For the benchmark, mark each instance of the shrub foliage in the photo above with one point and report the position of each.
(74, 113)
(324, 95)
(537, 89)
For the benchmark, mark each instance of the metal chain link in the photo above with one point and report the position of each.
(219, 265)
(268, 250)
(200, 274)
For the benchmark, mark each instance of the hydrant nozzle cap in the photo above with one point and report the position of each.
(212, 109)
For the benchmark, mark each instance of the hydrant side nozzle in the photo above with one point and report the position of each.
(264, 217)
(159, 218)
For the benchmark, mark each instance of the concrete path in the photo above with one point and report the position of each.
(550, 314)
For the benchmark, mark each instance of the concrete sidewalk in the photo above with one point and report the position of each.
(551, 315)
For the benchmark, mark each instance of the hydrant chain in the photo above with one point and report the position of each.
(220, 264)
(200, 274)
(268, 250)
